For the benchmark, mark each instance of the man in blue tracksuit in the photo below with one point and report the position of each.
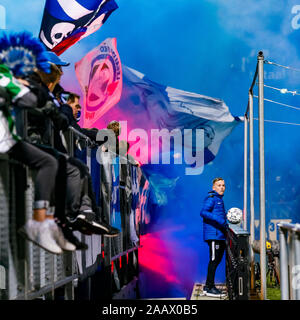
(214, 231)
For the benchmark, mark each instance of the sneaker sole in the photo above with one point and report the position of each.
(92, 223)
(221, 295)
(93, 227)
(23, 233)
(110, 235)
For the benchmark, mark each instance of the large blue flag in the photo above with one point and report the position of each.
(151, 109)
(67, 21)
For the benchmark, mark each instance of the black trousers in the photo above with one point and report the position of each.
(46, 167)
(74, 191)
(216, 251)
(80, 195)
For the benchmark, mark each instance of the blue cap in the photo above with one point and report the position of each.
(52, 57)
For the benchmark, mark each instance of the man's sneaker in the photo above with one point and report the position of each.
(214, 292)
(205, 288)
(112, 231)
(86, 223)
(59, 236)
(40, 234)
(73, 239)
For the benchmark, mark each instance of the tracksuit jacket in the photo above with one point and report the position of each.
(214, 217)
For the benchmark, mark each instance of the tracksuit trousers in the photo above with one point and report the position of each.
(216, 251)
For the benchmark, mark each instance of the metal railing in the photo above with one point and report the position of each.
(29, 272)
(289, 236)
(237, 263)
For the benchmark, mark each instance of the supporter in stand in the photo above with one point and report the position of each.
(112, 130)
(81, 209)
(71, 109)
(39, 229)
(123, 151)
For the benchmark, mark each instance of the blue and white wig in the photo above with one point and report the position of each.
(23, 53)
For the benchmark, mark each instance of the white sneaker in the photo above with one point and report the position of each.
(40, 234)
(59, 236)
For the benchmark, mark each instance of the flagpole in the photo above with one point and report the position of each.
(260, 59)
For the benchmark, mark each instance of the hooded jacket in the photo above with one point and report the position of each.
(214, 217)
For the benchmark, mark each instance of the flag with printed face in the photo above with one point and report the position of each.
(67, 21)
(100, 76)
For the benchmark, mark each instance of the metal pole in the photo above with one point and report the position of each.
(52, 295)
(245, 170)
(284, 278)
(69, 264)
(262, 204)
(88, 158)
(291, 261)
(251, 165)
(297, 261)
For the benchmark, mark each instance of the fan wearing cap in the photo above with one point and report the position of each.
(82, 212)
(21, 54)
(53, 58)
(58, 90)
(70, 107)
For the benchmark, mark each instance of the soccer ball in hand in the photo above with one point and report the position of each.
(234, 215)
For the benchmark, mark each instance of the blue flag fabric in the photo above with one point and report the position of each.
(172, 108)
(150, 106)
(67, 21)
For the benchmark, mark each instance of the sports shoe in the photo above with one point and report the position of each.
(40, 234)
(59, 236)
(85, 222)
(214, 292)
(205, 288)
(112, 231)
(73, 239)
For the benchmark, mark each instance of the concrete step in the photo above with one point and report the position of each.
(198, 294)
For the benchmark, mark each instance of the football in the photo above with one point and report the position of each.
(234, 215)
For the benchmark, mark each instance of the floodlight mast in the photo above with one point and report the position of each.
(262, 198)
(259, 73)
